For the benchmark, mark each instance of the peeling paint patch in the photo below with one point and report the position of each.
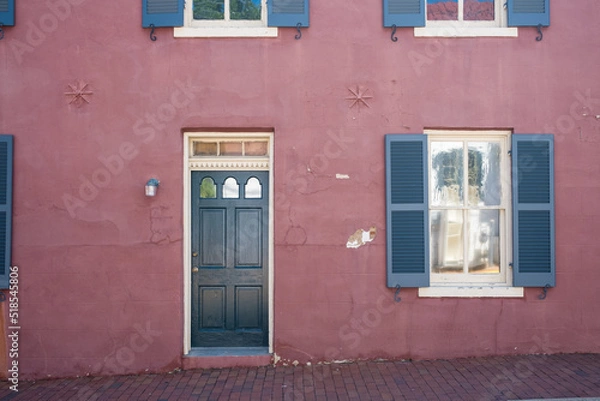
(342, 176)
(361, 237)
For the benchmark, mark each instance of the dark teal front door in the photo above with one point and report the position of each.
(230, 258)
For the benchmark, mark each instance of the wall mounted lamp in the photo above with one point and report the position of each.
(152, 187)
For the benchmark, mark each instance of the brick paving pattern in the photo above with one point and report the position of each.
(478, 379)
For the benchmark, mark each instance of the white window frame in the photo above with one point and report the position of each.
(443, 28)
(223, 28)
(463, 285)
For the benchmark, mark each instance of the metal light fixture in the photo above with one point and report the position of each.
(152, 187)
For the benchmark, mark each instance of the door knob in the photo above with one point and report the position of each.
(195, 269)
(194, 254)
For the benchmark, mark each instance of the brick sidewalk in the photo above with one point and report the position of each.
(494, 378)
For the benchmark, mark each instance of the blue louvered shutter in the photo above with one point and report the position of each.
(162, 13)
(403, 13)
(7, 12)
(533, 210)
(287, 13)
(407, 214)
(528, 12)
(6, 166)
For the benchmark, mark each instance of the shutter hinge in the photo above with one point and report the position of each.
(510, 152)
(511, 265)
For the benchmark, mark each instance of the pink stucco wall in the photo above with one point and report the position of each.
(101, 267)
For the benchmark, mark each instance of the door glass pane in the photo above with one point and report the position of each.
(442, 10)
(209, 9)
(231, 189)
(253, 189)
(484, 241)
(245, 9)
(208, 189)
(447, 173)
(484, 174)
(478, 10)
(446, 241)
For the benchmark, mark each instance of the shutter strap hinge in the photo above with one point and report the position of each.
(544, 293)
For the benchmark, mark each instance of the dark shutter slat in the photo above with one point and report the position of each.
(407, 214)
(7, 12)
(403, 13)
(533, 210)
(528, 12)
(288, 13)
(162, 13)
(6, 166)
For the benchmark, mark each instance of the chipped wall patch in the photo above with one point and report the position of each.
(361, 237)
(342, 176)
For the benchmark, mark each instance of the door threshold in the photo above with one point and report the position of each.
(228, 351)
(226, 357)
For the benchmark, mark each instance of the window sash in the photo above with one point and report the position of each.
(189, 20)
(500, 19)
(465, 278)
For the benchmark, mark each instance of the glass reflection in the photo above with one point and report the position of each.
(478, 10)
(447, 173)
(484, 241)
(438, 10)
(484, 174)
(231, 189)
(209, 9)
(208, 189)
(253, 189)
(447, 241)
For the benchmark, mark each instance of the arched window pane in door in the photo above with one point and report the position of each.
(208, 189)
(231, 189)
(253, 189)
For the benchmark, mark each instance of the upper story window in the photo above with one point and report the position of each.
(456, 18)
(215, 18)
(466, 18)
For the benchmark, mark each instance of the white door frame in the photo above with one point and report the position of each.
(221, 163)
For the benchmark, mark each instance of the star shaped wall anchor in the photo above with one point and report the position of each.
(359, 97)
(78, 93)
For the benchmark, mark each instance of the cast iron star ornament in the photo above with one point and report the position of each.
(358, 97)
(78, 93)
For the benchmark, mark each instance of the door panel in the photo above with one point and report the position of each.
(229, 259)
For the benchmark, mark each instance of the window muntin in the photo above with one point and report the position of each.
(469, 176)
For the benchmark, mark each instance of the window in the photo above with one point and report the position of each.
(239, 18)
(469, 193)
(466, 18)
(470, 213)
(226, 18)
(452, 18)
